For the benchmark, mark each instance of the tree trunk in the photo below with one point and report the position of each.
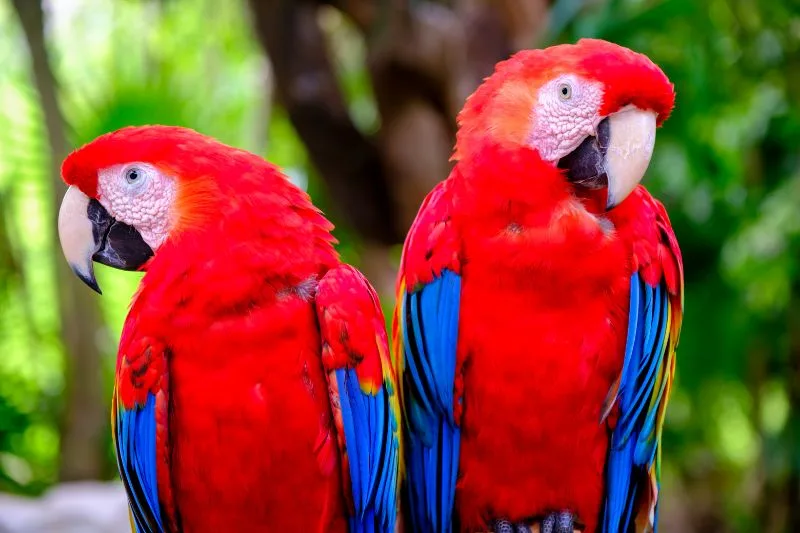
(84, 420)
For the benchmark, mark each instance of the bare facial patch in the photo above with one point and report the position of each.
(139, 195)
(566, 113)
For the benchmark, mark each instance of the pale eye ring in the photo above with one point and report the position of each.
(136, 177)
(133, 175)
(565, 91)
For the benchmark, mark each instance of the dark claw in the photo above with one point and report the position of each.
(504, 526)
(562, 522)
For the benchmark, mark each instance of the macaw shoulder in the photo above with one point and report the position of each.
(643, 224)
(351, 324)
(432, 244)
(141, 364)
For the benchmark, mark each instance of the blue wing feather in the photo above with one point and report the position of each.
(431, 316)
(136, 458)
(389, 493)
(345, 377)
(419, 367)
(366, 407)
(365, 418)
(646, 447)
(633, 443)
(377, 420)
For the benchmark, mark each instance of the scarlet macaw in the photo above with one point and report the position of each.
(540, 302)
(254, 390)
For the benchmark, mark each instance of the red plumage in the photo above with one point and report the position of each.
(628, 77)
(545, 286)
(243, 437)
(556, 343)
(571, 352)
(224, 331)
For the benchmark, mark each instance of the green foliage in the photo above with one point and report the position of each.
(191, 63)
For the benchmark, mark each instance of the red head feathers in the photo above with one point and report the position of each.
(140, 187)
(182, 152)
(505, 105)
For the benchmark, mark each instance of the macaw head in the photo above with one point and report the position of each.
(591, 109)
(134, 190)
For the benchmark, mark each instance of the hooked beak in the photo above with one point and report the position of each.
(88, 233)
(617, 157)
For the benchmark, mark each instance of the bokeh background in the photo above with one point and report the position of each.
(356, 100)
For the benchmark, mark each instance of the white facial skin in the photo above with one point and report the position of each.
(567, 112)
(139, 195)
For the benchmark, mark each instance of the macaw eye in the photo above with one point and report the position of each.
(565, 91)
(132, 175)
(137, 177)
